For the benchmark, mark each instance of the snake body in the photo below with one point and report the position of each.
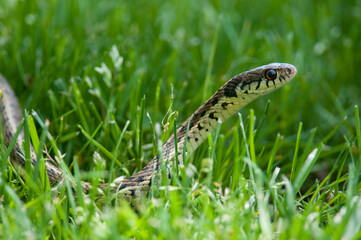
(229, 99)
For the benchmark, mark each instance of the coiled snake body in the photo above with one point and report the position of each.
(229, 99)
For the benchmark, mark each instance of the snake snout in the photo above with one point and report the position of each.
(291, 70)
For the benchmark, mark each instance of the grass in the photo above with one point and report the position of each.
(108, 81)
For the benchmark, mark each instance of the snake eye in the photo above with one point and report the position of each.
(271, 74)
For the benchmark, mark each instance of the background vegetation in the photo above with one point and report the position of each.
(93, 67)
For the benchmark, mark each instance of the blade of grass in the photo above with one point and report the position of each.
(358, 131)
(251, 136)
(98, 145)
(206, 91)
(140, 122)
(276, 146)
(295, 156)
(306, 168)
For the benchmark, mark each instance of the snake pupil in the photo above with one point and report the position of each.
(271, 74)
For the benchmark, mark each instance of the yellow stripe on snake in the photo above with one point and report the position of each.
(229, 99)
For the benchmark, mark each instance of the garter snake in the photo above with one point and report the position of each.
(229, 99)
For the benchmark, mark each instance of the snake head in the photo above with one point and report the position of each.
(265, 79)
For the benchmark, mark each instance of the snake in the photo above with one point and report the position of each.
(228, 100)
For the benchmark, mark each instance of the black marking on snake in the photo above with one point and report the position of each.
(195, 119)
(244, 85)
(199, 127)
(167, 145)
(246, 92)
(229, 90)
(196, 139)
(200, 113)
(166, 153)
(259, 84)
(182, 130)
(141, 179)
(157, 166)
(133, 192)
(214, 101)
(169, 175)
(211, 116)
(9, 134)
(267, 83)
(224, 105)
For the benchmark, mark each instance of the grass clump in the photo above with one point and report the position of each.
(109, 82)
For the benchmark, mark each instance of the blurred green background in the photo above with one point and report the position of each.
(98, 64)
(186, 49)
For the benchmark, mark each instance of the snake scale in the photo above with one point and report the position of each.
(229, 99)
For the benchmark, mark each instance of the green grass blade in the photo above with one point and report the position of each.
(295, 156)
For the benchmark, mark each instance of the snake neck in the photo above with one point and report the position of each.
(203, 121)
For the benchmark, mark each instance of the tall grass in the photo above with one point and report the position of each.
(105, 83)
